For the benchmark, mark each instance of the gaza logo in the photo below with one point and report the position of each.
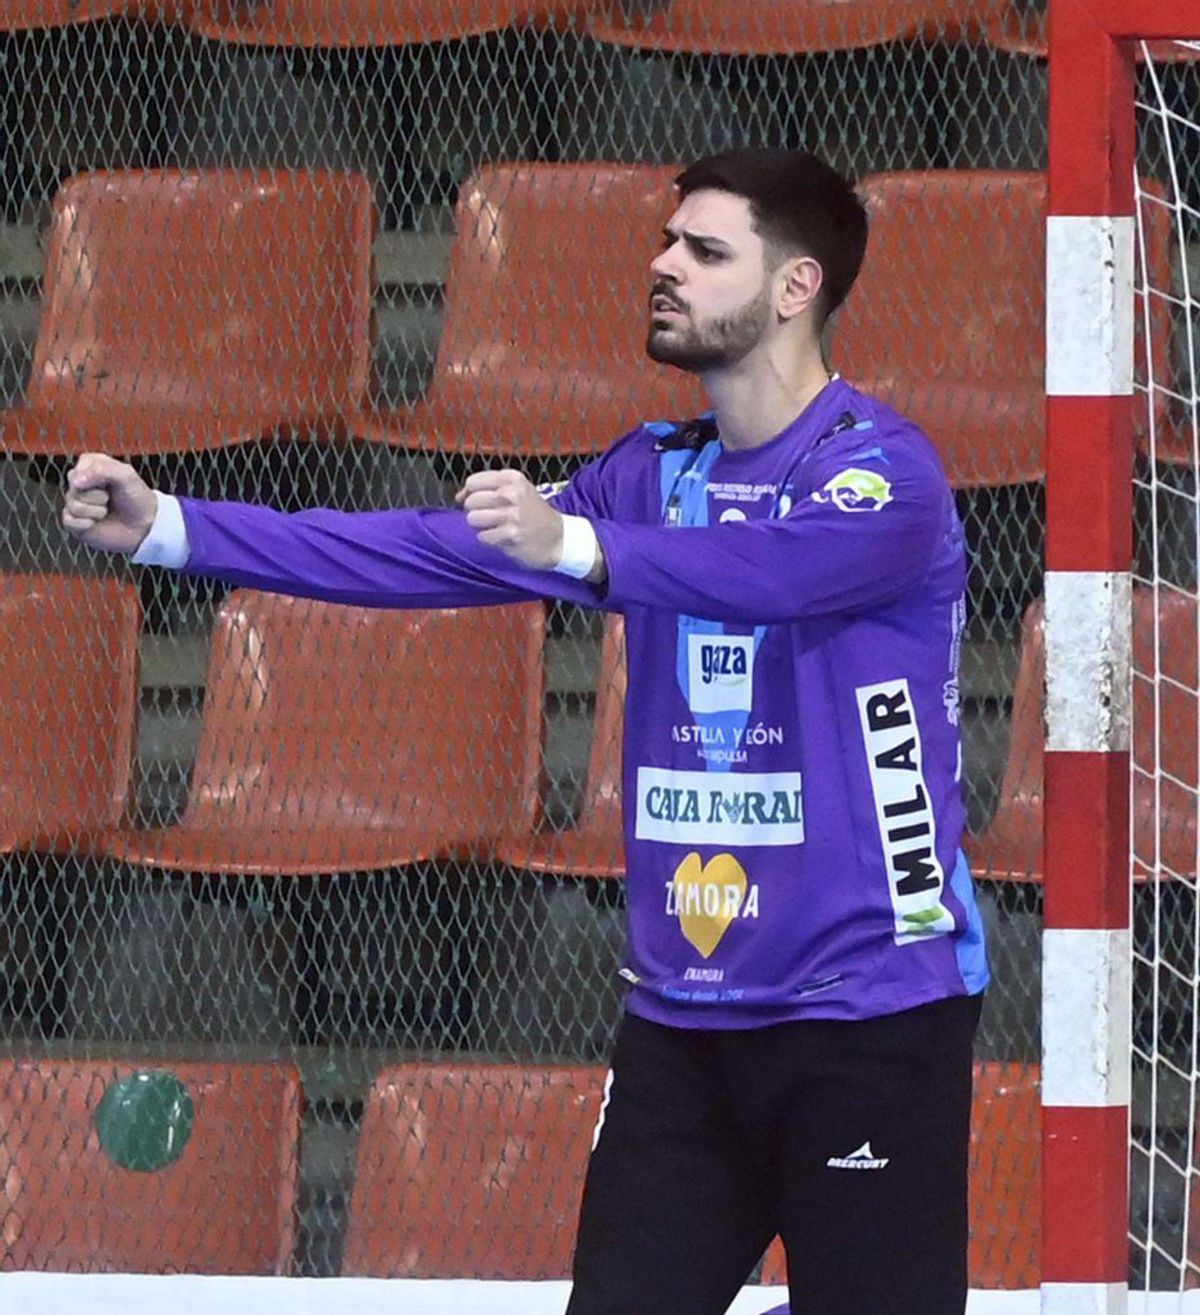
(720, 673)
(856, 490)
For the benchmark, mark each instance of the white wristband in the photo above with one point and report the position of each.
(579, 547)
(167, 542)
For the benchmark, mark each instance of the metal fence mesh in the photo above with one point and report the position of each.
(345, 253)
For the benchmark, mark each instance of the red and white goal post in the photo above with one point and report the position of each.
(1117, 403)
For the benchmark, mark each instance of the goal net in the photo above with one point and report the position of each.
(1165, 860)
(1119, 1072)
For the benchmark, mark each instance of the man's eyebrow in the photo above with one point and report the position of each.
(695, 239)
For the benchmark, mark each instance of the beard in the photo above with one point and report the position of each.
(712, 346)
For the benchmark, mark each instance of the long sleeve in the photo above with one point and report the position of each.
(866, 533)
(416, 557)
(403, 558)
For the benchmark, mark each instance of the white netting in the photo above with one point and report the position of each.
(1165, 1207)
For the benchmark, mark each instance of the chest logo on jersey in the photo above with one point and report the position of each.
(707, 897)
(719, 808)
(720, 673)
(904, 810)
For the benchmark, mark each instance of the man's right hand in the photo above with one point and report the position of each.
(107, 504)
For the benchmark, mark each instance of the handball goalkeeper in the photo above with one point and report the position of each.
(805, 962)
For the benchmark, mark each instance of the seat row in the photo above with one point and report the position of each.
(343, 739)
(190, 310)
(462, 1170)
(335, 739)
(753, 27)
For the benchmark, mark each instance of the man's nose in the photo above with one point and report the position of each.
(665, 266)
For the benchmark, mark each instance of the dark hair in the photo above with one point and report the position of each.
(796, 202)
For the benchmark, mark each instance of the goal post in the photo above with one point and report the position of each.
(1106, 400)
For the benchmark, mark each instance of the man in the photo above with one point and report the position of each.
(805, 961)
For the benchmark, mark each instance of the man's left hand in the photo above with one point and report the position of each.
(508, 512)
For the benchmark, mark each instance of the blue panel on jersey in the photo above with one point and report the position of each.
(971, 951)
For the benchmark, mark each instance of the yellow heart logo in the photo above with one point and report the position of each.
(707, 898)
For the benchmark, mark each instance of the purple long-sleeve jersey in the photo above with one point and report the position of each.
(793, 621)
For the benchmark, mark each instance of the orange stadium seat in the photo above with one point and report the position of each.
(69, 672)
(770, 27)
(542, 350)
(1005, 1200)
(114, 1167)
(1011, 846)
(947, 320)
(1006, 1178)
(1165, 747)
(774, 1267)
(357, 22)
(188, 310)
(340, 739)
(595, 845)
(471, 1171)
(23, 15)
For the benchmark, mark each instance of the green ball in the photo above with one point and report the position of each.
(145, 1120)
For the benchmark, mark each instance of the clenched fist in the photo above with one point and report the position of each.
(508, 513)
(107, 504)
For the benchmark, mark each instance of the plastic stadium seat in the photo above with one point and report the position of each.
(595, 845)
(1006, 1178)
(69, 672)
(187, 310)
(774, 1269)
(187, 1168)
(343, 739)
(22, 15)
(769, 27)
(947, 319)
(1005, 1201)
(542, 350)
(471, 1171)
(357, 22)
(1165, 785)
(1011, 846)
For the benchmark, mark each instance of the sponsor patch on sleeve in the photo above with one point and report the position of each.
(855, 489)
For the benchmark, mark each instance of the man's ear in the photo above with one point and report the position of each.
(800, 281)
